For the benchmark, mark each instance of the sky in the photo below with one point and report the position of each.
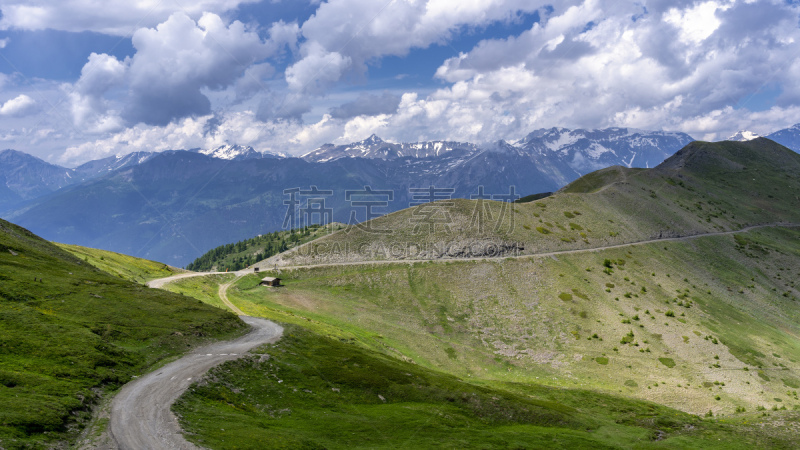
(82, 80)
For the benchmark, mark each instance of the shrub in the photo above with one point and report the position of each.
(566, 297)
(669, 362)
(543, 230)
(627, 339)
(670, 313)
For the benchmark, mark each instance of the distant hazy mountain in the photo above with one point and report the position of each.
(99, 167)
(173, 206)
(743, 136)
(788, 137)
(24, 177)
(375, 148)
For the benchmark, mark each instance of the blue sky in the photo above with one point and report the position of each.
(79, 82)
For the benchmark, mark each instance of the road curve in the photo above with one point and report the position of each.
(223, 295)
(140, 413)
(141, 417)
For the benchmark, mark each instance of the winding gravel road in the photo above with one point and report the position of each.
(140, 413)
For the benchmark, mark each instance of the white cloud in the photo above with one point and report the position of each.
(591, 65)
(343, 35)
(173, 64)
(685, 65)
(318, 69)
(116, 17)
(88, 106)
(19, 106)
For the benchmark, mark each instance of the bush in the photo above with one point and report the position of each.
(627, 339)
(669, 362)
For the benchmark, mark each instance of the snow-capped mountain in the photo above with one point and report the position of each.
(250, 187)
(588, 150)
(235, 152)
(561, 153)
(99, 167)
(788, 137)
(376, 148)
(743, 135)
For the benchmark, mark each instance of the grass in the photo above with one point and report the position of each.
(124, 266)
(70, 332)
(504, 325)
(312, 391)
(507, 320)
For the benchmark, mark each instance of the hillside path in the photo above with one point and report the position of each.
(543, 254)
(159, 283)
(141, 417)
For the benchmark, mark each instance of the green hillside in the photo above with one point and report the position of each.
(704, 317)
(312, 391)
(250, 251)
(123, 266)
(705, 187)
(70, 332)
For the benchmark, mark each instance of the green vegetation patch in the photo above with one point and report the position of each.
(669, 362)
(123, 266)
(312, 391)
(791, 383)
(250, 251)
(565, 296)
(602, 360)
(69, 330)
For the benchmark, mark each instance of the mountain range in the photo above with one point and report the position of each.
(174, 205)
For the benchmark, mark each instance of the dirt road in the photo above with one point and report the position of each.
(159, 283)
(223, 295)
(140, 413)
(537, 255)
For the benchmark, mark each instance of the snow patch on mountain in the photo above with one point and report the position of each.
(235, 152)
(743, 135)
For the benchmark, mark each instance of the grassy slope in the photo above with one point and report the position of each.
(77, 329)
(124, 266)
(309, 391)
(713, 321)
(705, 187)
(533, 320)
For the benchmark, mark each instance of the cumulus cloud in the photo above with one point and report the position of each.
(682, 65)
(367, 104)
(88, 105)
(174, 62)
(116, 17)
(593, 65)
(179, 57)
(343, 35)
(19, 106)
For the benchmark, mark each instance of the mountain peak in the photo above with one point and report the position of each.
(743, 136)
(237, 152)
(373, 139)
